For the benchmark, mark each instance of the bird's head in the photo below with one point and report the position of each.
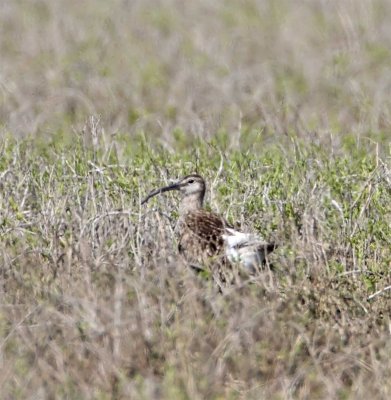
(190, 186)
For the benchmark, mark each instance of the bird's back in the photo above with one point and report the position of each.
(200, 236)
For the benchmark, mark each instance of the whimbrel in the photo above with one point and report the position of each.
(205, 237)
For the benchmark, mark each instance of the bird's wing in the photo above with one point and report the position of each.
(208, 228)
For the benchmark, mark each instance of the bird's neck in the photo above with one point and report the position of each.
(191, 202)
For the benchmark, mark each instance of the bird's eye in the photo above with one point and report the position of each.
(191, 181)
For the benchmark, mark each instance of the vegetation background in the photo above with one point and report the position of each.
(284, 107)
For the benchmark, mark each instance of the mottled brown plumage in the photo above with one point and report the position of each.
(204, 236)
(199, 231)
(200, 236)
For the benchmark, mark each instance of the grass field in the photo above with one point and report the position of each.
(284, 108)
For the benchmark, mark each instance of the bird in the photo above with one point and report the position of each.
(206, 238)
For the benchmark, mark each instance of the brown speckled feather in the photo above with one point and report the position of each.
(200, 235)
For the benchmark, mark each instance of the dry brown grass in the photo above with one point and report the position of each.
(201, 66)
(96, 304)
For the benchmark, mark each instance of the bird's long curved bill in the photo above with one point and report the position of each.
(174, 186)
